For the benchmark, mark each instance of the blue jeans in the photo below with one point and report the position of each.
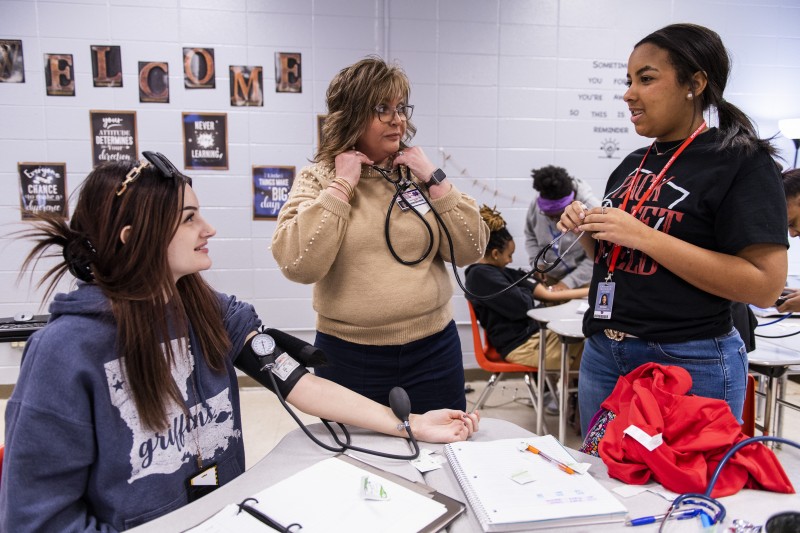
(718, 367)
(431, 370)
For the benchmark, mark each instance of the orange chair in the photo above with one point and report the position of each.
(749, 411)
(491, 361)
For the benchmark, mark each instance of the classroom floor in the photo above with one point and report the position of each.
(265, 421)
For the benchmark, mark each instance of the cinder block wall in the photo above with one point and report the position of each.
(500, 87)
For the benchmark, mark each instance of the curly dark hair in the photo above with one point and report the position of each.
(552, 182)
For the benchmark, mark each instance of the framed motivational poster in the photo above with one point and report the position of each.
(271, 186)
(113, 136)
(43, 189)
(205, 141)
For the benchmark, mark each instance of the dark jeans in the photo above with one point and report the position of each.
(431, 370)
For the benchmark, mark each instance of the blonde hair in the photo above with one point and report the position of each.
(351, 98)
(492, 218)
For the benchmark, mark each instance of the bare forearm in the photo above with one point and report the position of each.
(328, 400)
(541, 293)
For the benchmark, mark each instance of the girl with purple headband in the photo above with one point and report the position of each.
(556, 190)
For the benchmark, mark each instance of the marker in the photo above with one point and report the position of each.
(677, 515)
(546, 457)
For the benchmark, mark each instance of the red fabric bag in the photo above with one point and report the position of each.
(697, 431)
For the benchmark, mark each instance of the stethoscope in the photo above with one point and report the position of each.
(542, 255)
(398, 402)
(709, 509)
(402, 183)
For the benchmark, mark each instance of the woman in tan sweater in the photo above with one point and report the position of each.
(381, 322)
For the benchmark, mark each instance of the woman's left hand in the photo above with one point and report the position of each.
(615, 226)
(444, 425)
(415, 159)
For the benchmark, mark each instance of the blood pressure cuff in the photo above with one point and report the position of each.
(286, 370)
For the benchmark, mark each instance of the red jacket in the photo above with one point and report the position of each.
(697, 432)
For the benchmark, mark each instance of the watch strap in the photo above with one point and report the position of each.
(436, 178)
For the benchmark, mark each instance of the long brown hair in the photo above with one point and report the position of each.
(136, 277)
(351, 98)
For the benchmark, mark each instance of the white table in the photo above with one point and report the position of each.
(569, 331)
(775, 353)
(296, 452)
(544, 316)
(772, 361)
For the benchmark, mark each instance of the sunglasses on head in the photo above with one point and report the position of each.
(155, 159)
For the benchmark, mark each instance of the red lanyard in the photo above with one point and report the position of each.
(650, 189)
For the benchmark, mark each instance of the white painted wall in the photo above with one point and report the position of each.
(496, 84)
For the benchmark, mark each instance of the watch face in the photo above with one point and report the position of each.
(263, 344)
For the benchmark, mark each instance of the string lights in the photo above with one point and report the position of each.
(484, 186)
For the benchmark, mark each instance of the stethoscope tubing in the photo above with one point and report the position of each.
(401, 184)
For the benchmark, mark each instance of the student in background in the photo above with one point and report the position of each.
(382, 323)
(556, 189)
(709, 227)
(511, 331)
(130, 392)
(791, 188)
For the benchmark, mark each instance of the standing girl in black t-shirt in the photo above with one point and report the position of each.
(693, 221)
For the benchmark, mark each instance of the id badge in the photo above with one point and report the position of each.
(605, 300)
(413, 198)
(202, 483)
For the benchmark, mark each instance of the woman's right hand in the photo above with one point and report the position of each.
(348, 165)
(572, 217)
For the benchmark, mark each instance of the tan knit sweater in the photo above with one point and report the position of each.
(361, 293)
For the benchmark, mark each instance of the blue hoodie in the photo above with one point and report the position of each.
(77, 457)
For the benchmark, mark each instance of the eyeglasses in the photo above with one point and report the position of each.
(386, 113)
(158, 160)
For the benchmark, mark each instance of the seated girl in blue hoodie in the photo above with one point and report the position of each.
(130, 390)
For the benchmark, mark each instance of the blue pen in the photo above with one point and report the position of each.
(677, 515)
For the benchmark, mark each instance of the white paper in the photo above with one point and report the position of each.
(650, 442)
(325, 498)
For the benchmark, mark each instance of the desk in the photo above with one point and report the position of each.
(296, 452)
(771, 360)
(569, 331)
(543, 316)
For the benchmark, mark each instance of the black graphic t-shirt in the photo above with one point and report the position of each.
(719, 200)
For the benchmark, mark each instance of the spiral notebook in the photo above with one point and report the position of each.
(489, 474)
